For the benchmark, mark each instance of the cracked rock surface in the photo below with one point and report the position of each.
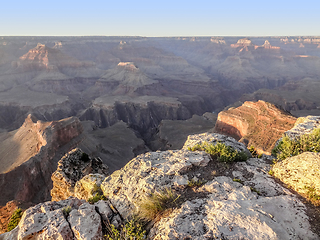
(51, 220)
(236, 201)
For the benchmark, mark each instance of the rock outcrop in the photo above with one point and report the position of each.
(68, 219)
(76, 175)
(303, 125)
(37, 148)
(221, 208)
(300, 172)
(259, 124)
(235, 201)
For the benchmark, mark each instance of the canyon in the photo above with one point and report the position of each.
(118, 97)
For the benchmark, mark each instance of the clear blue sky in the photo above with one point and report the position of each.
(159, 18)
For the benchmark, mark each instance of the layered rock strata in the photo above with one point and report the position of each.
(259, 124)
(38, 146)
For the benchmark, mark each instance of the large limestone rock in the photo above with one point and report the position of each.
(259, 124)
(301, 172)
(73, 167)
(67, 219)
(303, 125)
(253, 206)
(147, 173)
(214, 138)
(233, 211)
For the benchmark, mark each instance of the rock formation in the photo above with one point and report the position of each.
(259, 124)
(26, 170)
(303, 125)
(72, 175)
(236, 201)
(300, 172)
(68, 219)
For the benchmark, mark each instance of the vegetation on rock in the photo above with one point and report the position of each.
(196, 183)
(66, 210)
(15, 219)
(223, 152)
(132, 230)
(97, 194)
(291, 147)
(157, 203)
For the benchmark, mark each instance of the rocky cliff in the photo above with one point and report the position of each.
(259, 124)
(30, 155)
(235, 201)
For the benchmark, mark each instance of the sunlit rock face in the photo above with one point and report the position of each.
(31, 154)
(259, 124)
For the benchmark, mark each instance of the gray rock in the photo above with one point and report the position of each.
(303, 125)
(215, 138)
(300, 172)
(85, 222)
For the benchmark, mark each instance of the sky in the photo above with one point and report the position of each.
(160, 18)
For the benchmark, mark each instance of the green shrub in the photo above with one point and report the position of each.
(223, 152)
(15, 219)
(96, 198)
(196, 183)
(253, 152)
(255, 190)
(305, 143)
(271, 172)
(157, 203)
(132, 230)
(66, 210)
(97, 194)
(237, 180)
(311, 192)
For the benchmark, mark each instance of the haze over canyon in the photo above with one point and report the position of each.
(118, 97)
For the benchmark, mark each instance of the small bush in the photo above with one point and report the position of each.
(97, 194)
(271, 172)
(196, 183)
(157, 203)
(312, 195)
(223, 152)
(96, 198)
(15, 219)
(66, 210)
(237, 180)
(253, 152)
(132, 230)
(305, 143)
(255, 190)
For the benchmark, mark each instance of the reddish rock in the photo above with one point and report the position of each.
(259, 124)
(29, 178)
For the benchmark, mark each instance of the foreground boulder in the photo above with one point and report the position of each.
(67, 219)
(303, 125)
(301, 172)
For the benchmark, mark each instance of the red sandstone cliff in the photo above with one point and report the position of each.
(259, 124)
